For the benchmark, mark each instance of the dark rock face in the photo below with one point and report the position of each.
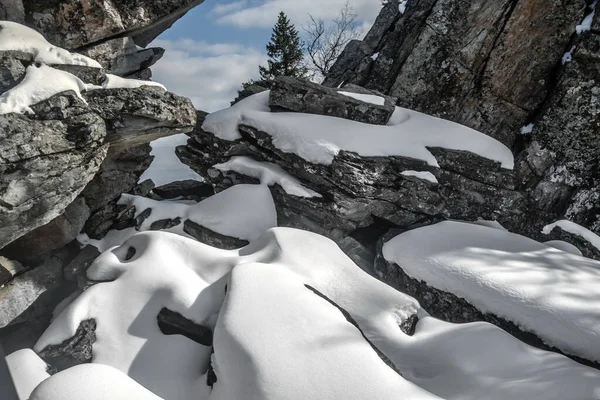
(486, 64)
(212, 238)
(73, 24)
(291, 94)
(74, 351)
(496, 66)
(8, 269)
(37, 244)
(173, 323)
(188, 189)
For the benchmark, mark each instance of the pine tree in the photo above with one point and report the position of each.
(286, 56)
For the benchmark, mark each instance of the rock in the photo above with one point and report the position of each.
(212, 238)
(72, 24)
(37, 244)
(143, 188)
(358, 191)
(8, 269)
(141, 115)
(76, 269)
(27, 301)
(120, 56)
(188, 189)
(587, 249)
(165, 224)
(74, 351)
(173, 323)
(94, 76)
(358, 253)
(248, 91)
(12, 71)
(464, 55)
(44, 165)
(449, 307)
(119, 173)
(291, 94)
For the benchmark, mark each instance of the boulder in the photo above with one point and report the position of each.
(141, 115)
(291, 94)
(73, 351)
(73, 24)
(36, 245)
(212, 238)
(173, 323)
(44, 165)
(8, 269)
(188, 189)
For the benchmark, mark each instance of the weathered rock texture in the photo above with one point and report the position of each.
(291, 94)
(496, 66)
(63, 167)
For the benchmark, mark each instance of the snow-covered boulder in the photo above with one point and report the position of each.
(463, 272)
(289, 295)
(358, 170)
(295, 95)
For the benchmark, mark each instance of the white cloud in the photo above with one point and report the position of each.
(225, 8)
(209, 74)
(264, 15)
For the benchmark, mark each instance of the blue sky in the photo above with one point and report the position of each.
(219, 44)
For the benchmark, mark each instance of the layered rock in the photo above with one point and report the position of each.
(496, 67)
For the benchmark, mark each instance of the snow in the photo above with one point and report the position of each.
(18, 37)
(375, 56)
(276, 339)
(264, 319)
(91, 382)
(116, 82)
(224, 123)
(568, 56)
(586, 24)
(490, 224)
(367, 98)
(527, 129)
(424, 175)
(40, 83)
(28, 370)
(242, 211)
(509, 275)
(166, 166)
(480, 361)
(564, 246)
(268, 174)
(574, 229)
(402, 6)
(318, 138)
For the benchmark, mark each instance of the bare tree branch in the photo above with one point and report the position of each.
(327, 41)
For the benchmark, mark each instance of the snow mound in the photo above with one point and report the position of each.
(17, 37)
(275, 308)
(40, 83)
(541, 289)
(262, 314)
(91, 382)
(166, 167)
(242, 211)
(116, 82)
(268, 174)
(424, 175)
(318, 138)
(367, 98)
(575, 229)
(28, 370)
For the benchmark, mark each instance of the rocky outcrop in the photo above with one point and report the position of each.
(291, 94)
(496, 67)
(485, 63)
(359, 191)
